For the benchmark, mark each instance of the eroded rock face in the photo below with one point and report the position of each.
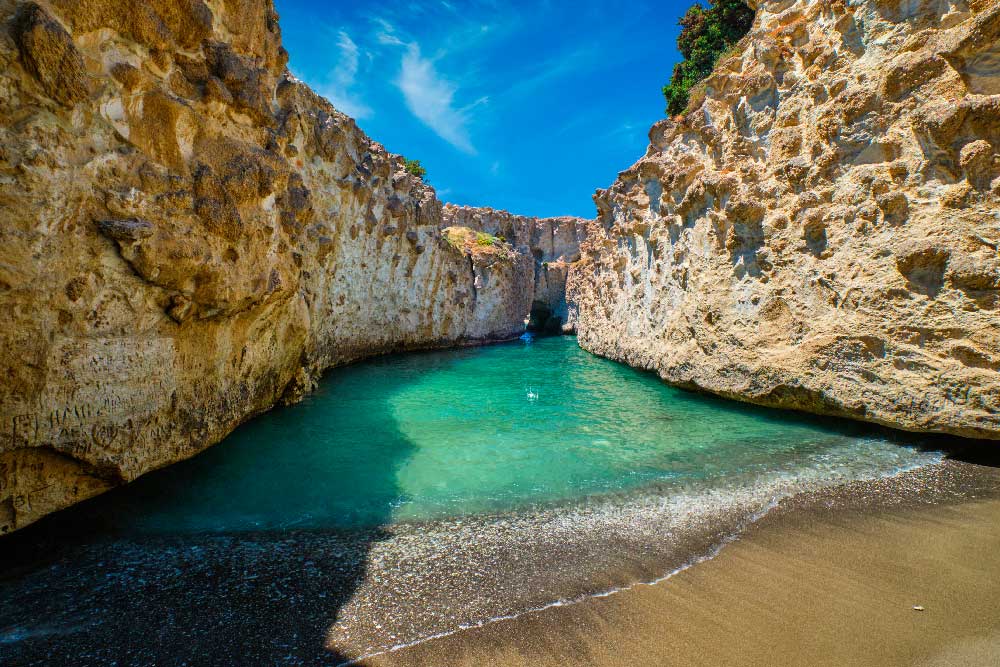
(189, 235)
(553, 243)
(822, 233)
(380, 277)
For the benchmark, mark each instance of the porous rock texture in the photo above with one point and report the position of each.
(821, 232)
(553, 243)
(190, 235)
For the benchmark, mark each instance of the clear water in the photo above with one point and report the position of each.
(486, 430)
(410, 497)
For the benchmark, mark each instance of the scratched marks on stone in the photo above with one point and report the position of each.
(101, 395)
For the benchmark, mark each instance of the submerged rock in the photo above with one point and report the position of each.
(822, 231)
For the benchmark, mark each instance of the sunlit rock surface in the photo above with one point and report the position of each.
(822, 231)
(190, 235)
(553, 243)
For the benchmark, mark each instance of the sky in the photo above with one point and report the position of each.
(525, 106)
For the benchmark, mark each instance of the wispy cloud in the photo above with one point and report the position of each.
(339, 87)
(386, 33)
(430, 97)
(573, 62)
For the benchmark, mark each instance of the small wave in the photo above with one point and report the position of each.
(779, 491)
(565, 602)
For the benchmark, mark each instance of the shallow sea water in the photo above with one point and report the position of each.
(490, 429)
(411, 496)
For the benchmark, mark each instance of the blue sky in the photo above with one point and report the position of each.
(524, 106)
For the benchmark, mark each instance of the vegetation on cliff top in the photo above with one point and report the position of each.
(477, 244)
(706, 34)
(415, 168)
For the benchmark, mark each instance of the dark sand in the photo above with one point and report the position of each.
(828, 580)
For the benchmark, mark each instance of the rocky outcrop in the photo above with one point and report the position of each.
(822, 232)
(554, 243)
(379, 276)
(190, 235)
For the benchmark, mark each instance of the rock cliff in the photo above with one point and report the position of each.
(189, 236)
(554, 243)
(822, 231)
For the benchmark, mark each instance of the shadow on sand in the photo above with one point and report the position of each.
(93, 586)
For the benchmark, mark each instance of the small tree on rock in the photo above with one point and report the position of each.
(705, 35)
(415, 168)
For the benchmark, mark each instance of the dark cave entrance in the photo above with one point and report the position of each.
(542, 320)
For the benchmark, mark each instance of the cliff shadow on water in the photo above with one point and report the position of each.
(202, 563)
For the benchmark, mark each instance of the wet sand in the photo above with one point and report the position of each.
(827, 580)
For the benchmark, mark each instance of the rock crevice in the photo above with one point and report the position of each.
(553, 244)
(191, 235)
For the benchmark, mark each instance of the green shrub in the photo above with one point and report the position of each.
(415, 168)
(705, 35)
(478, 245)
(482, 238)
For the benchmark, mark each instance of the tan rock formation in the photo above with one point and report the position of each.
(822, 232)
(554, 243)
(189, 235)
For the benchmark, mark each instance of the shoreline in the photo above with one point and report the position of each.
(522, 586)
(789, 589)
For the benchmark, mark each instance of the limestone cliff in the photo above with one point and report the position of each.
(554, 243)
(189, 235)
(822, 231)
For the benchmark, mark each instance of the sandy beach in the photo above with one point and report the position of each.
(825, 577)
(822, 581)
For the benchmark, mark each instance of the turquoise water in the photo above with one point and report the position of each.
(412, 496)
(491, 429)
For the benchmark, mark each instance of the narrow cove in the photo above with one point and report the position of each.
(490, 429)
(265, 265)
(414, 495)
